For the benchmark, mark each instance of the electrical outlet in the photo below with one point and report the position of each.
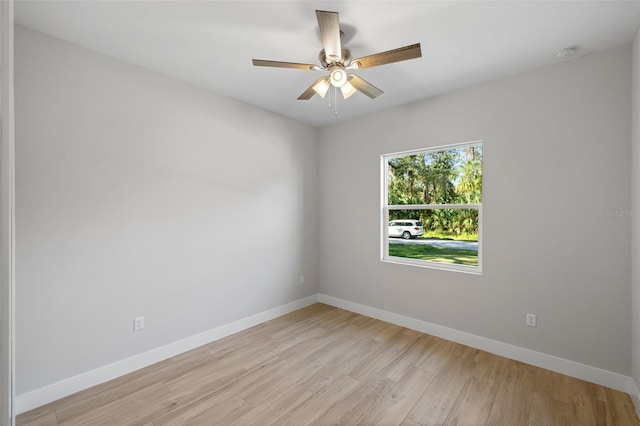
(532, 320)
(301, 279)
(138, 323)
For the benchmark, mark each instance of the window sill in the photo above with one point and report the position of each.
(474, 270)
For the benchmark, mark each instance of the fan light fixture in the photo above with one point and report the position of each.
(338, 77)
(321, 87)
(347, 90)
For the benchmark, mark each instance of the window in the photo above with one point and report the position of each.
(432, 207)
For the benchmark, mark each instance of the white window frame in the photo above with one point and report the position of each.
(385, 208)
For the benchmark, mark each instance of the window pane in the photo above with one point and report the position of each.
(438, 235)
(452, 176)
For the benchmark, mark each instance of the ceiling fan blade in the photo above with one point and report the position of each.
(278, 64)
(320, 86)
(330, 34)
(396, 55)
(364, 86)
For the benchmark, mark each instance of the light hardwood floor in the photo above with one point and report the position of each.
(326, 366)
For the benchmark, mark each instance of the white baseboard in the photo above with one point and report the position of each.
(635, 395)
(560, 365)
(55, 391)
(30, 400)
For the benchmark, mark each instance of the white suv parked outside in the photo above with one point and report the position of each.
(405, 228)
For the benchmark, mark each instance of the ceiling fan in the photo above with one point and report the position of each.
(337, 60)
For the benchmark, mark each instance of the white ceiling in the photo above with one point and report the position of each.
(211, 43)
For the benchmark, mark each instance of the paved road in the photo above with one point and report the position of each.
(461, 245)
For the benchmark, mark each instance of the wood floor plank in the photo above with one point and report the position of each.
(438, 400)
(39, 418)
(325, 366)
(339, 387)
(405, 361)
(473, 405)
(512, 405)
(354, 406)
(214, 410)
(128, 410)
(408, 422)
(394, 343)
(548, 411)
(398, 398)
(621, 407)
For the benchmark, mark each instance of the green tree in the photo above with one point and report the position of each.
(406, 183)
(469, 187)
(440, 172)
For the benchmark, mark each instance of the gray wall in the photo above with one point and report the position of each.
(635, 227)
(141, 195)
(556, 147)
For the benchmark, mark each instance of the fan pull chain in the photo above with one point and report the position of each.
(335, 100)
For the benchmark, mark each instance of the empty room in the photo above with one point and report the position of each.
(330, 213)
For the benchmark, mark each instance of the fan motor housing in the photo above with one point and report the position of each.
(345, 60)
